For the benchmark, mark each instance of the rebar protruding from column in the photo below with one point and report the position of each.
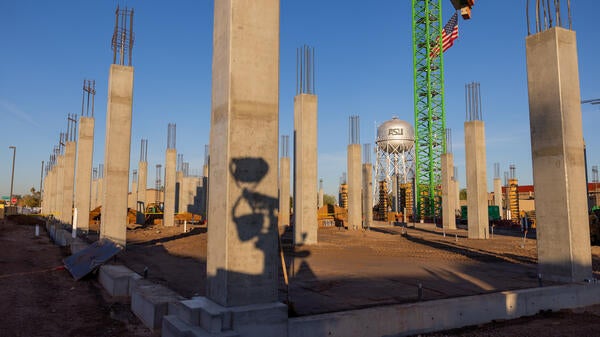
(71, 127)
(186, 169)
(343, 178)
(180, 162)
(285, 146)
(144, 150)
(366, 153)
(496, 170)
(473, 102)
(354, 130)
(506, 178)
(206, 154)
(134, 176)
(123, 36)
(61, 143)
(171, 135)
(158, 182)
(89, 90)
(595, 173)
(513, 171)
(95, 173)
(448, 140)
(321, 183)
(305, 70)
(100, 171)
(547, 14)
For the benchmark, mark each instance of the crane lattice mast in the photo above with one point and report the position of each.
(430, 115)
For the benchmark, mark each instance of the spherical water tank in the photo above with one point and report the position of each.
(395, 136)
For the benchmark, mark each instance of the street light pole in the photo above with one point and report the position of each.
(12, 178)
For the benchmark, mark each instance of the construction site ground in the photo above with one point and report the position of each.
(346, 270)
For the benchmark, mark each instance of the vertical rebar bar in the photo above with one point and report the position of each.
(354, 130)
(285, 146)
(496, 170)
(171, 135)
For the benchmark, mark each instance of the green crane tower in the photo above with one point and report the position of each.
(430, 115)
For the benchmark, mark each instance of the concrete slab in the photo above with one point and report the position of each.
(116, 279)
(150, 302)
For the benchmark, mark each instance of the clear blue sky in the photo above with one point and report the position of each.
(363, 66)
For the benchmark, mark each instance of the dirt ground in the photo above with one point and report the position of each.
(40, 298)
(346, 270)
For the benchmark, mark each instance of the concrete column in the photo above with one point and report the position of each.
(170, 176)
(94, 193)
(320, 198)
(305, 169)
(457, 194)
(49, 192)
(132, 196)
(69, 183)
(354, 186)
(83, 176)
(284, 191)
(498, 193)
(448, 192)
(100, 192)
(179, 192)
(204, 198)
(60, 187)
(367, 195)
(477, 206)
(142, 182)
(243, 260)
(117, 154)
(563, 238)
(186, 195)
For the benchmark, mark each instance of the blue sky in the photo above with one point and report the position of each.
(363, 67)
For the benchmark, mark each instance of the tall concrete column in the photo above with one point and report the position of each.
(563, 238)
(305, 169)
(498, 193)
(456, 190)
(242, 259)
(100, 192)
(83, 176)
(367, 194)
(284, 191)
(170, 176)
(354, 187)
(448, 192)
(179, 192)
(69, 183)
(204, 183)
(320, 198)
(49, 191)
(60, 187)
(477, 206)
(142, 182)
(132, 196)
(117, 154)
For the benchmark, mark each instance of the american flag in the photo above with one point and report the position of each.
(449, 34)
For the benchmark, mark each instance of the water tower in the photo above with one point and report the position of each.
(395, 167)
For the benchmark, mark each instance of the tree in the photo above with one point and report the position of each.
(31, 200)
(463, 194)
(328, 199)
